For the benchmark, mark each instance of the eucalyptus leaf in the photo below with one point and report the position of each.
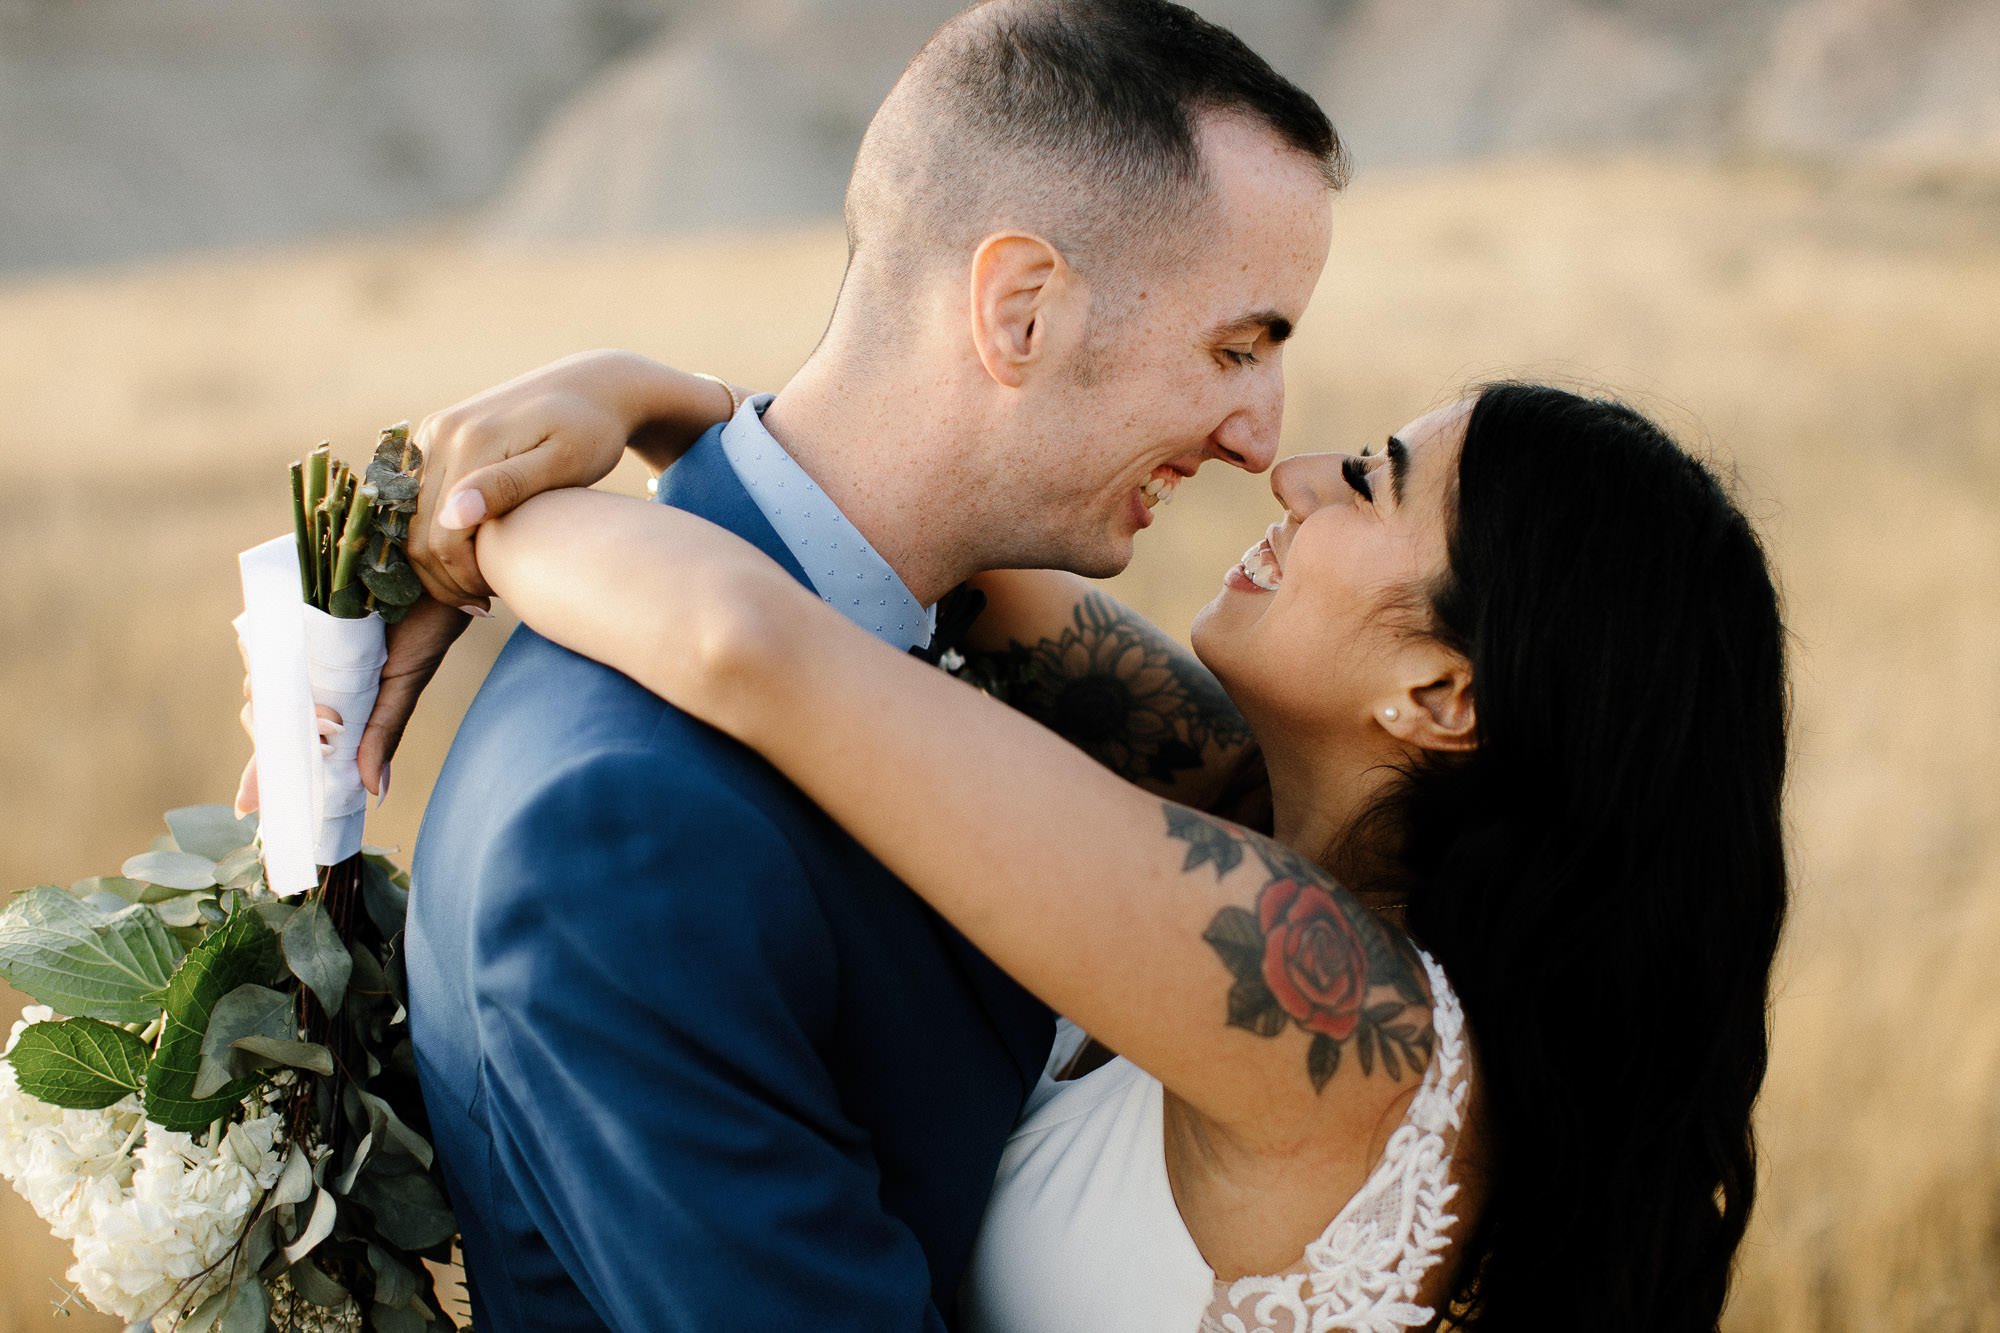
(249, 1010)
(180, 911)
(295, 1181)
(80, 1063)
(383, 1119)
(386, 1318)
(409, 1209)
(317, 956)
(283, 1051)
(242, 952)
(204, 1316)
(82, 961)
(172, 870)
(131, 890)
(394, 489)
(212, 831)
(395, 1284)
(387, 902)
(396, 586)
(260, 1242)
(318, 1227)
(311, 1281)
(248, 1311)
(242, 868)
(344, 1182)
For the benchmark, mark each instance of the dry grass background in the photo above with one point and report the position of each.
(1833, 340)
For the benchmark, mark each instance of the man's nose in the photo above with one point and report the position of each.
(1248, 437)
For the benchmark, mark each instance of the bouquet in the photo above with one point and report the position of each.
(214, 1097)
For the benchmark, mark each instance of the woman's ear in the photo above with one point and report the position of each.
(1015, 276)
(1436, 712)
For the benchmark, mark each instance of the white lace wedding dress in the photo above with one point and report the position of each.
(1082, 1231)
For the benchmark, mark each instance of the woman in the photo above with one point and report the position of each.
(1477, 1030)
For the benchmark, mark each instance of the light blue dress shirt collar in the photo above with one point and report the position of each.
(845, 570)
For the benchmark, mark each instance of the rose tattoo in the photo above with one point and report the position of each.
(1310, 957)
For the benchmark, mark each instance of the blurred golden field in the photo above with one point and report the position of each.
(1833, 339)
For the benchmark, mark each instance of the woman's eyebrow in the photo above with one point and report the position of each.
(1399, 466)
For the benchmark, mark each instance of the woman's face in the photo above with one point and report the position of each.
(1313, 629)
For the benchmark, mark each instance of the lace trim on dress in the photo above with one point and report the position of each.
(1365, 1270)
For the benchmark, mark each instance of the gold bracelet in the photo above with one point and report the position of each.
(735, 401)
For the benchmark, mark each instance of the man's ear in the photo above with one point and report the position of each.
(1015, 276)
(1436, 711)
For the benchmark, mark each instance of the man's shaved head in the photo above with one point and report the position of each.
(1074, 120)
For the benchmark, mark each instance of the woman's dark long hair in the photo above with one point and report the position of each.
(1604, 878)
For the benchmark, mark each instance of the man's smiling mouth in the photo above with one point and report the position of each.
(1160, 487)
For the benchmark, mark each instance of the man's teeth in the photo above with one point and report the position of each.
(1261, 567)
(1159, 490)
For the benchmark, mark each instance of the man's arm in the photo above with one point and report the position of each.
(655, 1006)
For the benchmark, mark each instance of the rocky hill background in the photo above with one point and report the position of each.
(137, 127)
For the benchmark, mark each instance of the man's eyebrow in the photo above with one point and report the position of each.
(1268, 322)
(1399, 466)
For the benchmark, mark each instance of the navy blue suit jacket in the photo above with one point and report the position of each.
(693, 1059)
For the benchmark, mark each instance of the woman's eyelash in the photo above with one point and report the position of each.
(1356, 475)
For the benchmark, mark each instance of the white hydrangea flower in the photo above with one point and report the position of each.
(142, 1222)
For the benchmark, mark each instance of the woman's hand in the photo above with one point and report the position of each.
(565, 424)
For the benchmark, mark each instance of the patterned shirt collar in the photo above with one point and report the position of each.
(845, 570)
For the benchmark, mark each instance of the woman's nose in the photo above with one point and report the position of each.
(1304, 482)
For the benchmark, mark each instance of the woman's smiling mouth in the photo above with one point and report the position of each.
(1260, 566)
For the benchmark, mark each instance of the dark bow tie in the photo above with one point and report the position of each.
(956, 611)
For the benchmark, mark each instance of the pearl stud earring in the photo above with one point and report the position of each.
(1391, 714)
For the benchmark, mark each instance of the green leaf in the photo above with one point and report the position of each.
(182, 910)
(248, 1010)
(1390, 1065)
(386, 1125)
(84, 962)
(1253, 1008)
(1364, 1046)
(248, 1311)
(172, 870)
(396, 585)
(295, 1181)
(387, 902)
(266, 1051)
(1235, 936)
(212, 831)
(317, 1228)
(79, 1063)
(131, 890)
(386, 1318)
(1322, 1060)
(409, 1209)
(395, 1284)
(312, 1282)
(241, 869)
(317, 956)
(241, 952)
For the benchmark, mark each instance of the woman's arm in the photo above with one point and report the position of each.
(1260, 992)
(1112, 683)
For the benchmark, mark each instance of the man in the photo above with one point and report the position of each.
(693, 1059)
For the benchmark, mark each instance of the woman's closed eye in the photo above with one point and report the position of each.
(1355, 472)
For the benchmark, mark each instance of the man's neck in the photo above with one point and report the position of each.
(882, 454)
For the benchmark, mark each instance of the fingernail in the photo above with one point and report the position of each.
(383, 795)
(241, 807)
(462, 510)
(479, 611)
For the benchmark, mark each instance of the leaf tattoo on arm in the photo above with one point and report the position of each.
(1121, 691)
(1310, 957)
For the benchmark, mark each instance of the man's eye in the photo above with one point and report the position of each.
(1239, 358)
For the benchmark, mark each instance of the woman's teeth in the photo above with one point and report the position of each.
(1261, 567)
(1158, 490)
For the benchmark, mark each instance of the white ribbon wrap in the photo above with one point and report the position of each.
(312, 807)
